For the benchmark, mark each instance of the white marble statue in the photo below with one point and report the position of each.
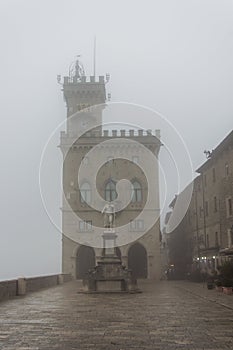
(109, 215)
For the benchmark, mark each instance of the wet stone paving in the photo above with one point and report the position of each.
(167, 315)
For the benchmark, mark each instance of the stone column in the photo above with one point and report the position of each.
(21, 286)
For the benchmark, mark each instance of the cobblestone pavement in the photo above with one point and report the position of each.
(167, 315)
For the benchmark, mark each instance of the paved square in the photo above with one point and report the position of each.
(167, 315)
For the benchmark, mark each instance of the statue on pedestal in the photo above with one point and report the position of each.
(109, 215)
(109, 275)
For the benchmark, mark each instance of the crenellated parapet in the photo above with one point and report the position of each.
(97, 137)
(131, 133)
(84, 80)
(108, 134)
(83, 92)
(114, 134)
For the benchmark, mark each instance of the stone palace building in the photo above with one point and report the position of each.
(142, 255)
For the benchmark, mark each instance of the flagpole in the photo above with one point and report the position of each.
(94, 58)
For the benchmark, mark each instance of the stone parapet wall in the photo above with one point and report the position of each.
(8, 289)
(35, 283)
(21, 286)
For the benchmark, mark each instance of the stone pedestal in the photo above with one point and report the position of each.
(109, 276)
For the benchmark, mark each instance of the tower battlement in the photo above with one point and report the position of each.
(84, 79)
(81, 92)
(97, 136)
(131, 133)
(114, 133)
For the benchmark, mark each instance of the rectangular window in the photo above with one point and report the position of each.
(81, 225)
(207, 241)
(201, 239)
(200, 211)
(136, 225)
(85, 225)
(206, 208)
(229, 206)
(216, 239)
(214, 175)
(140, 225)
(226, 169)
(230, 237)
(189, 216)
(205, 180)
(215, 205)
(85, 193)
(88, 225)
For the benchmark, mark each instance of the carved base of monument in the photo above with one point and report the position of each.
(110, 276)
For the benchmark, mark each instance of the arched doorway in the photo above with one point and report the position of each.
(85, 260)
(137, 260)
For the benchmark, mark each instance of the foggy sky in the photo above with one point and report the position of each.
(172, 56)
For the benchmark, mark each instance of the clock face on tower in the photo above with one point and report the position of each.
(86, 122)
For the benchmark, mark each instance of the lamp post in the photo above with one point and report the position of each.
(197, 227)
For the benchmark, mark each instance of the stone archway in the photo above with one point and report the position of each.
(137, 260)
(85, 260)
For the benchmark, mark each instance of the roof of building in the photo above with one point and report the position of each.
(223, 146)
(173, 202)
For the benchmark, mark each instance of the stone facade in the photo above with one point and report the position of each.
(208, 223)
(80, 95)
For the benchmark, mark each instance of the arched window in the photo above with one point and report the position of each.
(85, 193)
(136, 192)
(110, 191)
